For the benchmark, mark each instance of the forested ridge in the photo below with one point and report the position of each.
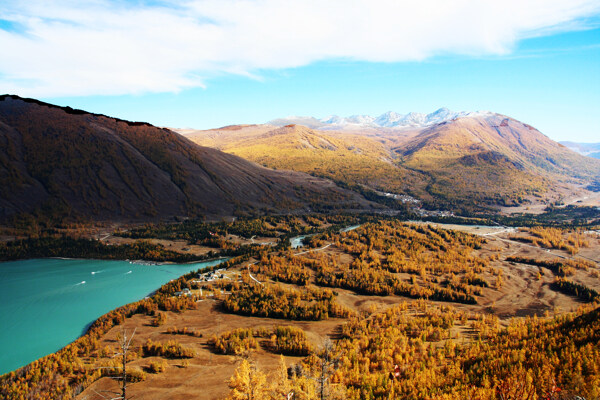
(85, 248)
(390, 257)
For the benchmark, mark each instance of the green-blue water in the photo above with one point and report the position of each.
(45, 304)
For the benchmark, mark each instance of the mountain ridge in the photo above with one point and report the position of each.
(483, 158)
(66, 163)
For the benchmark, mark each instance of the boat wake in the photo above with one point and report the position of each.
(80, 283)
(127, 273)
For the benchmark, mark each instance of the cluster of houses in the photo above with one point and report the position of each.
(400, 197)
(435, 213)
(184, 292)
(417, 205)
(211, 275)
(203, 277)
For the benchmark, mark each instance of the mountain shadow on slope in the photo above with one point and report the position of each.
(66, 163)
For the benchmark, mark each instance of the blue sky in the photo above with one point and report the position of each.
(540, 65)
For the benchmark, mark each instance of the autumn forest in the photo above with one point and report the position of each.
(384, 309)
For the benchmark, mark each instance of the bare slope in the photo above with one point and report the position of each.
(61, 162)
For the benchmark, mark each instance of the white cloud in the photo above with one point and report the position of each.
(73, 47)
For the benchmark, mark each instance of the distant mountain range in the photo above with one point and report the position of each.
(587, 149)
(449, 159)
(389, 119)
(61, 164)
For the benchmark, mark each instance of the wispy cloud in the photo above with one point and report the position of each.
(69, 47)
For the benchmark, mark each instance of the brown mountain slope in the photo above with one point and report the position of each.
(482, 160)
(62, 162)
(492, 158)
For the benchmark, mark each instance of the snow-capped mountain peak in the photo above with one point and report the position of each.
(388, 119)
(360, 119)
(333, 119)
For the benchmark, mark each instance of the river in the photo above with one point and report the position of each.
(47, 303)
(298, 241)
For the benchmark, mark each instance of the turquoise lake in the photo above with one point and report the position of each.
(47, 303)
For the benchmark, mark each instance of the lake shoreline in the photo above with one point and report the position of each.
(68, 309)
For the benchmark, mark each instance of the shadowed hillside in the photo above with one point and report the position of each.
(60, 162)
